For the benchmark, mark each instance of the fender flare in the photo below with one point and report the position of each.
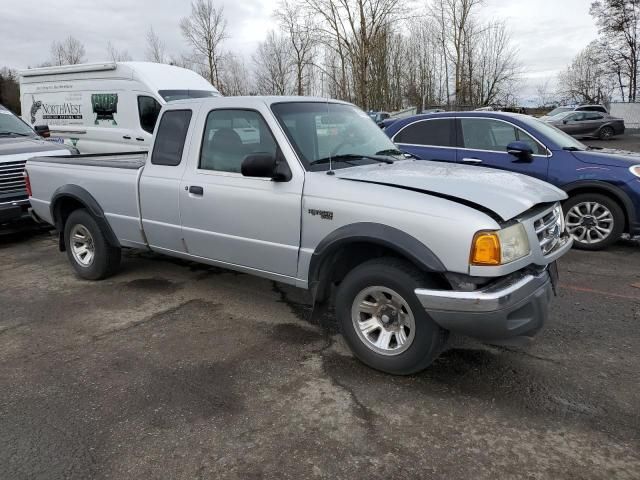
(375, 233)
(83, 197)
(616, 192)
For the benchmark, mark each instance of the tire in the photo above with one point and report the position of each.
(98, 259)
(396, 280)
(582, 210)
(606, 133)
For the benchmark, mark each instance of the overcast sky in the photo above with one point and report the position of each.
(548, 33)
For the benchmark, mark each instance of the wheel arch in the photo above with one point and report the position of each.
(350, 245)
(68, 198)
(608, 190)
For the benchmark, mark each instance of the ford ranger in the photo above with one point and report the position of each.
(311, 193)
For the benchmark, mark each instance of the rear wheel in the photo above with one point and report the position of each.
(606, 133)
(383, 321)
(594, 221)
(88, 250)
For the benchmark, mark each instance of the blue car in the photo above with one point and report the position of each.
(603, 186)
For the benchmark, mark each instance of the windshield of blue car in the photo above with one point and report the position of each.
(10, 125)
(558, 110)
(333, 134)
(561, 140)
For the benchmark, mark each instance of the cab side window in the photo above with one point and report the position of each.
(172, 133)
(231, 135)
(148, 111)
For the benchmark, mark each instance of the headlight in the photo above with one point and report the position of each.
(500, 246)
(635, 170)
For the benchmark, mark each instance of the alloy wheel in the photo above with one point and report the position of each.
(589, 222)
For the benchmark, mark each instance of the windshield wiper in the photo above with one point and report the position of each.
(15, 133)
(351, 156)
(572, 149)
(390, 151)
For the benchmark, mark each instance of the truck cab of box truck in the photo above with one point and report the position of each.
(105, 107)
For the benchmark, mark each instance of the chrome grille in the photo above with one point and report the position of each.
(549, 229)
(12, 179)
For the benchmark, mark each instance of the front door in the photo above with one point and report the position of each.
(484, 143)
(237, 220)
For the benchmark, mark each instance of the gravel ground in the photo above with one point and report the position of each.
(174, 370)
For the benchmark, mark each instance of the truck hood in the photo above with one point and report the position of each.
(504, 193)
(18, 148)
(609, 156)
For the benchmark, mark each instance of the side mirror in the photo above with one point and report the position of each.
(265, 165)
(42, 130)
(521, 150)
(565, 121)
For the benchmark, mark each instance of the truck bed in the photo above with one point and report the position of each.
(111, 179)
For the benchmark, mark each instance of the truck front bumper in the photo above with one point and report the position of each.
(509, 311)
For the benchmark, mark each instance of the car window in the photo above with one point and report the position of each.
(148, 110)
(495, 135)
(437, 133)
(231, 135)
(593, 116)
(487, 134)
(172, 132)
(574, 117)
(592, 108)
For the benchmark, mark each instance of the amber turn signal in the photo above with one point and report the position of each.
(485, 249)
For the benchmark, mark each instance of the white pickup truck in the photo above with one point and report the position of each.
(315, 195)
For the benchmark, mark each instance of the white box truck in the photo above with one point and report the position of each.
(105, 107)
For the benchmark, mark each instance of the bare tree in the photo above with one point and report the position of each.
(70, 51)
(299, 27)
(205, 30)
(235, 78)
(116, 55)
(619, 24)
(544, 93)
(273, 69)
(587, 80)
(156, 49)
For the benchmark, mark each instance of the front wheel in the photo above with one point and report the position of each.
(383, 321)
(606, 133)
(594, 221)
(88, 249)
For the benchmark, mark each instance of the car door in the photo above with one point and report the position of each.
(429, 139)
(160, 182)
(237, 220)
(574, 124)
(592, 122)
(483, 142)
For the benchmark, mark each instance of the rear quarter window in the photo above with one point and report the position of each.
(170, 138)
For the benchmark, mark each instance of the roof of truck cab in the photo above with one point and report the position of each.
(266, 99)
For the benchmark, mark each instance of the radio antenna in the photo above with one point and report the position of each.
(330, 172)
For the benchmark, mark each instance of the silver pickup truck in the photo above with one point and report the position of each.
(311, 193)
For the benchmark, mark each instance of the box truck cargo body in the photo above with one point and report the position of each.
(105, 107)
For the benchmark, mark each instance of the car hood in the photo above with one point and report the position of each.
(609, 156)
(25, 147)
(504, 193)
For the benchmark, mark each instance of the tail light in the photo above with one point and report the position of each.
(27, 182)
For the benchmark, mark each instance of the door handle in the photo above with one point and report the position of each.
(196, 190)
(126, 137)
(471, 160)
(140, 139)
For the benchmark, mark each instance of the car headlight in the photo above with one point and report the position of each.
(500, 246)
(635, 170)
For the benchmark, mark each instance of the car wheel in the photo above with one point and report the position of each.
(87, 247)
(594, 221)
(606, 133)
(383, 321)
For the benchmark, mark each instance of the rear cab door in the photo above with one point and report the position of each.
(483, 142)
(429, 139)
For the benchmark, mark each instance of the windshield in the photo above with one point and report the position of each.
(171, 95)
(10, 125)
(319, 131)
(558, 110)
(557, 136)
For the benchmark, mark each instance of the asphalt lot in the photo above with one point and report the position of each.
(175, 370)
